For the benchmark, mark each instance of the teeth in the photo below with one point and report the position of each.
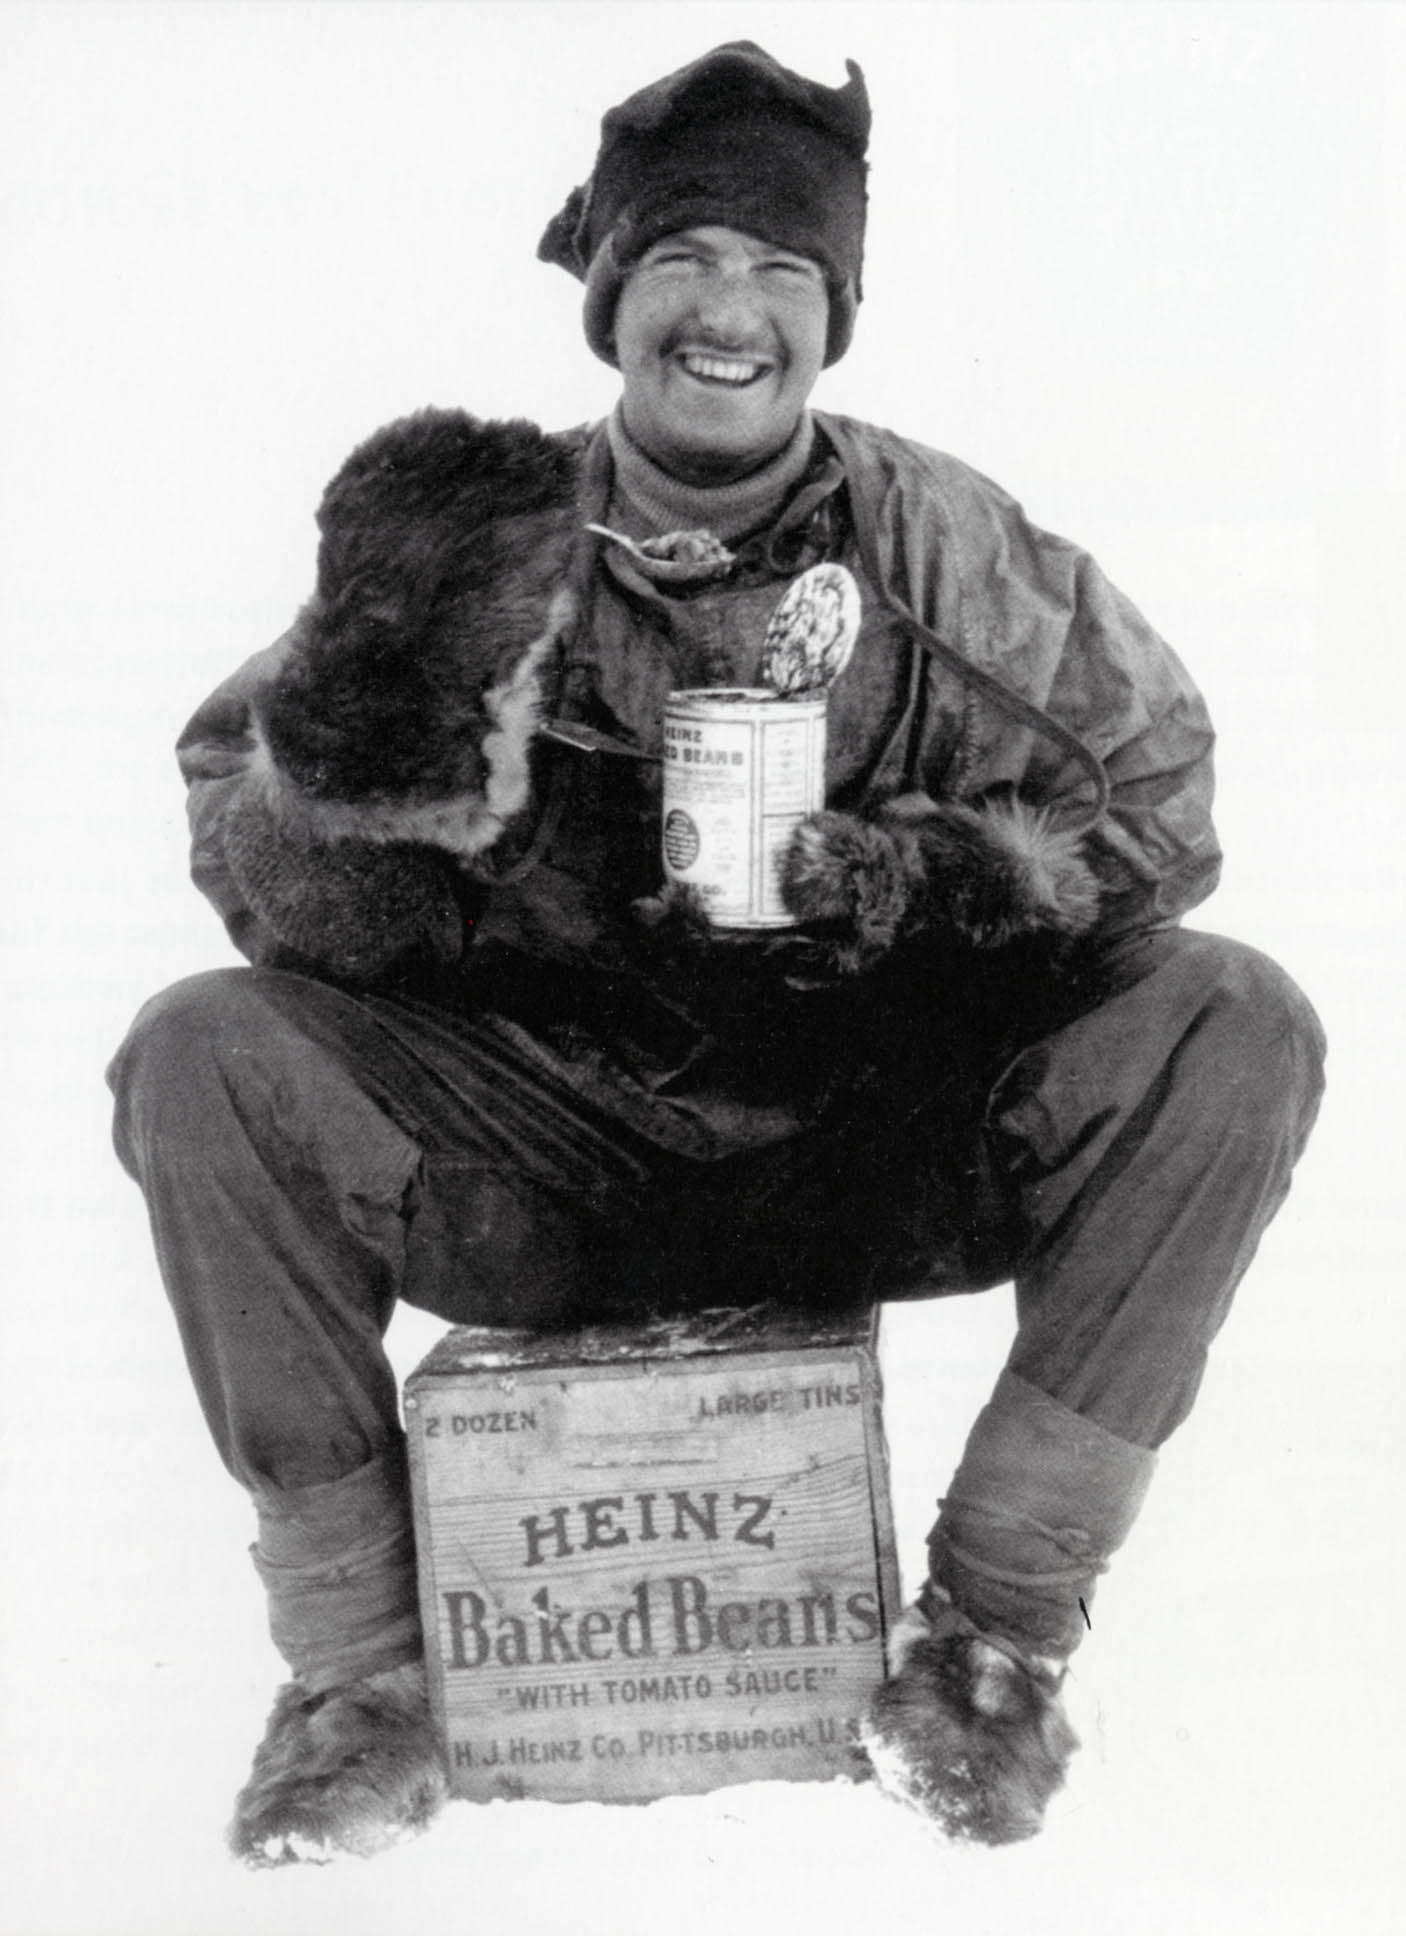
(721, 369)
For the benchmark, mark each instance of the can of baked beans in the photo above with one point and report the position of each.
(742, 768)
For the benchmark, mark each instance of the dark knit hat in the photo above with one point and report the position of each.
(735, 139)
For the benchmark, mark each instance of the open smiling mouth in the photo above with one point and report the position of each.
(734, 371)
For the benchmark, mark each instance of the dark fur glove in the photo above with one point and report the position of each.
(986, 876)
(355, 907)
(413, 682)
(393, 741)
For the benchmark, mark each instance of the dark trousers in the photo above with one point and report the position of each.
(308, 1157)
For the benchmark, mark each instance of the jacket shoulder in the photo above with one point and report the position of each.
(872, 451)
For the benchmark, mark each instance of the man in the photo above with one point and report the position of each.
(480, 1062)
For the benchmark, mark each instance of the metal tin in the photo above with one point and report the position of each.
(742, 768)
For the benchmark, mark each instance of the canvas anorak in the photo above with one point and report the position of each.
(993, 657)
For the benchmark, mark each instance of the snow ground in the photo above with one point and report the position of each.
(1158, 311)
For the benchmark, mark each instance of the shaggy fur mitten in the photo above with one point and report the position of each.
(352, 906)
(413, 678)
(394, 738)
(350, 1771)
(966, 1730)
(985, 875)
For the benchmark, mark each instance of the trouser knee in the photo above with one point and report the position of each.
(161, 1076)
(1264, 1049)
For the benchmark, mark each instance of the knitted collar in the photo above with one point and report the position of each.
(729, 511)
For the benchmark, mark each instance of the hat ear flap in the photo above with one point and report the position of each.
(604, 281)
(562, 239)
(844, 307)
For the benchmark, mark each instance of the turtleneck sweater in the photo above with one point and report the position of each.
(647, 502)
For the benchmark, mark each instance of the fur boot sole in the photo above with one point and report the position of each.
(967, 1734)
(351, 1771)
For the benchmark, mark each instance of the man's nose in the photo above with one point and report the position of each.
(728, 304)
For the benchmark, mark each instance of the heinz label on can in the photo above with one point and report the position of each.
(742, 768)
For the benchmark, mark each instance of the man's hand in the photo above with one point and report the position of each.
(985, 876)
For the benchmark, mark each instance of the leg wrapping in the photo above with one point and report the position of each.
(338, 1564)
(1041, 1500)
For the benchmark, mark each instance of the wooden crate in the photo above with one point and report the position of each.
(652, 1561)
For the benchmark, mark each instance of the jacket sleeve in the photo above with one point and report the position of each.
(213, 754)
(357, 911)
(1034, 616)
(1119, 687)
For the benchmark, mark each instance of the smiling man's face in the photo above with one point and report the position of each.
(720, 338)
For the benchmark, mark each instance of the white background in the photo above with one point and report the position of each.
(1141, 263)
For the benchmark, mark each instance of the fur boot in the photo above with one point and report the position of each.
(350, 1771)
(966, 1730)
(986, 875)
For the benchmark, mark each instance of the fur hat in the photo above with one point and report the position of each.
(737, 139)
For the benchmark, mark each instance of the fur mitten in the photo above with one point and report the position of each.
(397, 728)
(350, 1771)
(985, 875)
(414, 674)
(354, 907)
(966, 1730)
